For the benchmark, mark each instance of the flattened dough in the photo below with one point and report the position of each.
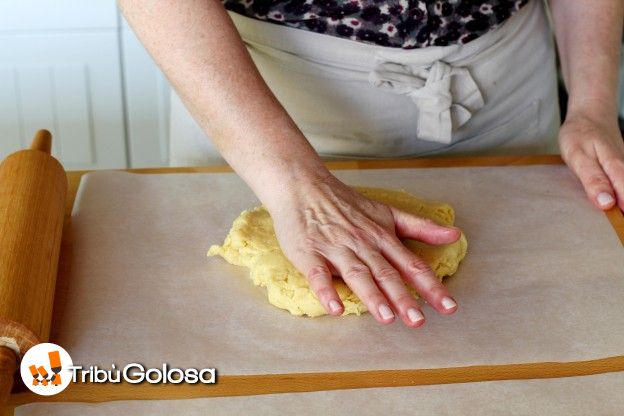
(252, 243)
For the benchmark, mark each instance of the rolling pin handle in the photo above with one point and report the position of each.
(42, 141)
(8, 366)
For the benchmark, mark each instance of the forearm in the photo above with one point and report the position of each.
(589, 34)
(199, 49)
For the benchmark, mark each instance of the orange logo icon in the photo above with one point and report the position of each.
(45, 369)
(55, 366)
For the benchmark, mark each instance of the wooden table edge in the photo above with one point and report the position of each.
(236, 385)
(250, 385)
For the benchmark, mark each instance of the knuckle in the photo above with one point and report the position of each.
(597, 179)
(573, 151)
(385, 236)
(327, 233)
(370, 233)
(417, 267)
(318, 273)
(356, 272)
(324, 293)
(576, 157)
(361, 234)
(405, 300)
(386, 274)
(358, 232)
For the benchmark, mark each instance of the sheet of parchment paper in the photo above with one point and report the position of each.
(543, 279)
(598, 395)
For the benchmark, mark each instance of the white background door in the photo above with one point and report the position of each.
(77, 69)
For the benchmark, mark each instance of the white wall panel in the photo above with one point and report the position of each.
(10, 113)
(77, 69)
(34, 91)
(17, 15)
(71, 85)
(74, 114)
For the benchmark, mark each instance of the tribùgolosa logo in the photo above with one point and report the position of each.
(45, 369)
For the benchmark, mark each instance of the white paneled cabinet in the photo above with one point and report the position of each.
(62, 82)
(84, 76)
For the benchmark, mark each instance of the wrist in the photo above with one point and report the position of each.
(599, 110)
(278, 178)
(593, 118)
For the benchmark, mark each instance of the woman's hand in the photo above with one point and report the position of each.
(594, 150)
(324, 226)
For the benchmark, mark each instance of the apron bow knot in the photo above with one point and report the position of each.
(445, 95)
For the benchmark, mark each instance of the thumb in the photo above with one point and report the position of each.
(422, 229)
(595, 181)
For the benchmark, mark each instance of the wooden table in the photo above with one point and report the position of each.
(302, 382)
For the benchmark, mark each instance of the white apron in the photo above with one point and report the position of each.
(495, 95)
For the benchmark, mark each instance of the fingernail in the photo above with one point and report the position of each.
(334, 306)
(414, 315)
(604, 199)
(448, 303)
(385, 312)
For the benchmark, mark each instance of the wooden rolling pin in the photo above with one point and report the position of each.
(33, 188)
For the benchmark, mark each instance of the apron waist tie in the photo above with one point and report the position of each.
(446, 96)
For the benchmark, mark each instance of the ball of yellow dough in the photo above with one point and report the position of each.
(252, 243)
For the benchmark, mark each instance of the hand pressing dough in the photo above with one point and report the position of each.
(252, 243)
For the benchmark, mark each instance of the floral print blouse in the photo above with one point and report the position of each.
(403, 24)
